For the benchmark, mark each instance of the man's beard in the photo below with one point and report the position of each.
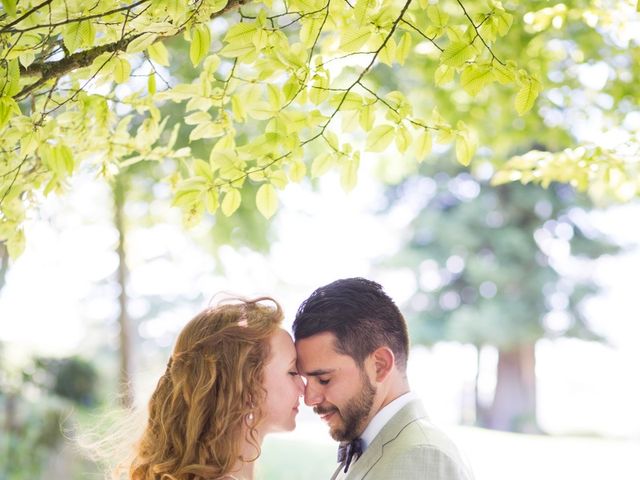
(353, 414)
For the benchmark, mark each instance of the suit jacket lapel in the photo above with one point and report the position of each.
(407, 414)
(338, 473)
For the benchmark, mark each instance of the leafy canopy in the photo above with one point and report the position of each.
(284, 92)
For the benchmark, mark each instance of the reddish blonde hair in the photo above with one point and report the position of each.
(199, 412)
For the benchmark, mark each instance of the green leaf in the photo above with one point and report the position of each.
(275, 97)
(151, 83)
(505, 74)
(121, 69)
(200, 43)
(267, 200)
(403, 139)
(10, 8)
(379, 138)
(203, 169)
(65, 158)
(475, 77)
(423, 145)
(309, 29)
(297, 171)
(526, 96)
(12, 86)
(354, 39)
(140, 43)
(332, 140)
(437, 17)
(367, 117)
(465, 145)
(211, 200)
(388, 53)
(237, 108)
(404, 48)
(278, 178)
(349, 121)
(504, 176)
(349, 173)
(321, 164)
(503, 21)
(206, 130)
(231, 202)
(239, 40)
(72, 36)
(8, 108)
(457, 53)
(443, 74)
(87, 32)
(159, 53)
(360, 10)
(16, 244)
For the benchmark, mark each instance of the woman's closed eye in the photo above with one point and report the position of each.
(322, 381)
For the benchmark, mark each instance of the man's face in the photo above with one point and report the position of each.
(337, 389)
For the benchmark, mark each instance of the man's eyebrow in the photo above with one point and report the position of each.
(316, 373)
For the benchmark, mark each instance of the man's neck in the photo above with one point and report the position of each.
(397, 386)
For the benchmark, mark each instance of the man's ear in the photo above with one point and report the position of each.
(383, 361)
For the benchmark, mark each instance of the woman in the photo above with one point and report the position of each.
(231, 380)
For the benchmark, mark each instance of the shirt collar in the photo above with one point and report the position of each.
(381, 418)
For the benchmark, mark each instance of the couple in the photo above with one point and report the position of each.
(234, 376)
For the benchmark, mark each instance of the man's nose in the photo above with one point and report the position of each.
(312, 395)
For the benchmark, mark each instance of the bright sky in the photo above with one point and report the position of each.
(52, 296)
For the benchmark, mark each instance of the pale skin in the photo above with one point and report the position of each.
(284, 388)
(334, 378)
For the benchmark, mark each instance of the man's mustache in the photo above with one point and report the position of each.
(324, 410)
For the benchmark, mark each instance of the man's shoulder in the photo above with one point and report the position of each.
(421, 449)
(420, 434)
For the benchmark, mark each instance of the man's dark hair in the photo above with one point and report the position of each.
(361, 316)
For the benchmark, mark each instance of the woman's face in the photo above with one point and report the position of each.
(282, 383)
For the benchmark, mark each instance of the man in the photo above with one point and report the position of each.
(352, 345)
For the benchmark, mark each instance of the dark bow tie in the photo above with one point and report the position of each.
(348, 450)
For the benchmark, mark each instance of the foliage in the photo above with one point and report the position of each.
(493, 264)
(35, 402)
(71, 377)
(76, 78)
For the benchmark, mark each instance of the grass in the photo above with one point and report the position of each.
(309, 454)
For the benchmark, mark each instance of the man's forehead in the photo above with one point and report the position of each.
(324, 343)
(318, 354)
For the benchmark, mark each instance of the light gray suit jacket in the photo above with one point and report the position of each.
(408, 447)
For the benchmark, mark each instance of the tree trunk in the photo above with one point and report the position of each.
(126, 390)
(514, 402)
(480, 410)
(4, 263)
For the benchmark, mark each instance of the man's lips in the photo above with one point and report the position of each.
(326, 415)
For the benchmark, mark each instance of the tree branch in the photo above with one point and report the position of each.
(50, 70)
(26, 14)
(73, 20)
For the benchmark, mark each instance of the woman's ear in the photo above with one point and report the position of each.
(383, 362)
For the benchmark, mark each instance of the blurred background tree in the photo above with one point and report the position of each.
(494, 268)
(35, 403)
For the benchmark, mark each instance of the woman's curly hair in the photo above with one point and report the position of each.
(208, 402)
